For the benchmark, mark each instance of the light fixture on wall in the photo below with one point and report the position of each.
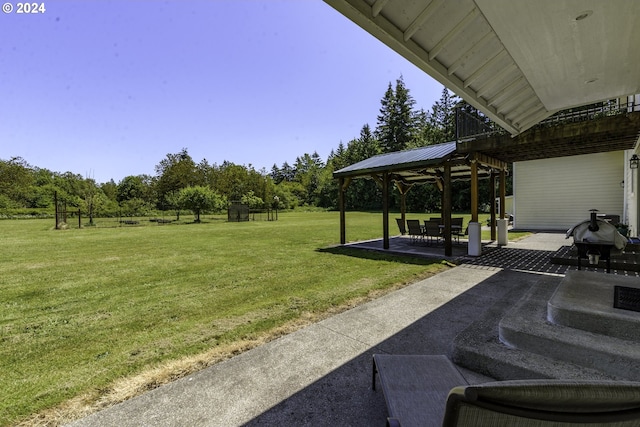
(634, 161)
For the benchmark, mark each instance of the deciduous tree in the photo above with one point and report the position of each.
(199, 199)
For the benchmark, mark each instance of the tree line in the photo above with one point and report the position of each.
(181, 183)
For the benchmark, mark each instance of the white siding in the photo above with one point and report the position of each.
(633, 201)
(555, 194)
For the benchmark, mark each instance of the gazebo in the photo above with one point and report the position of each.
(439, 164)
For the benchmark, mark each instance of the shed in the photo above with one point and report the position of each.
(238, 212)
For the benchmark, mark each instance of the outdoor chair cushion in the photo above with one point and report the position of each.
(544, 403)
(428, 390)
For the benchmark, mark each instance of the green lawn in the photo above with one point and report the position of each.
(81, 309)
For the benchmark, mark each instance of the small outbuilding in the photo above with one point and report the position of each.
(238, 212)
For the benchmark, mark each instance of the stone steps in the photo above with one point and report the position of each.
(521, 343)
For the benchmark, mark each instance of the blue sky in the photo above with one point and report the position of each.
(107, 89)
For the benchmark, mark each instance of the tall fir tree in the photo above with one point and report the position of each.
(396, 127)
(443, 118)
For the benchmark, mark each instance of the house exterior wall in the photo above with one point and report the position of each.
(557, 193)
(632, 205)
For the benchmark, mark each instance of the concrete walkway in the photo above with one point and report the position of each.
(321, 375)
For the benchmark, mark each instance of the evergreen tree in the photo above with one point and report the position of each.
(396, 128)
(423, 130)
(443, 118)
(385, 130)
(275, 174)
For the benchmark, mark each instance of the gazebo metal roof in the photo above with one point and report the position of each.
(420, 165)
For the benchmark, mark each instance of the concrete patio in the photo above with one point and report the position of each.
(321, 375)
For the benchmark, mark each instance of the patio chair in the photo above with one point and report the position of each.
(530, 403)
(456, 229)
(432, 231)
(428, 390)
(415, 230)
(401, 226)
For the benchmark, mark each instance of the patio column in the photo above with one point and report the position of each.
(503, 222)
(475, 233)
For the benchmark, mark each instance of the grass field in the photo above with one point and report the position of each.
(96, 315)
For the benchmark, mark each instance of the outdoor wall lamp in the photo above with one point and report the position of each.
(634, 161)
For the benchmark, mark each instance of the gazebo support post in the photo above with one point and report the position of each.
(446, 209)
(503, 222)
(385, 210)
(343, 184)
(474, 191)
(492, 185)
(403, 189)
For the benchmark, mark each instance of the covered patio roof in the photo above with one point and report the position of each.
(516, 61)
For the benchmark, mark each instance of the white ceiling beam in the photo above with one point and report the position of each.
(493, 80)
(465, 56)
(508, 107)
(476, 74)
(505, 91)
(452, 33)
(536, 118)
(524, 110)
(515, 106)
(422, 16)
(377, 7)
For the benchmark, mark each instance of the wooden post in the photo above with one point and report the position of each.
(341, 195)
(55, 202)
(492, 184)
(403, 189)
(446, 210)
(79, 218)
(503, 191)
(474, 191)
(385, 210)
